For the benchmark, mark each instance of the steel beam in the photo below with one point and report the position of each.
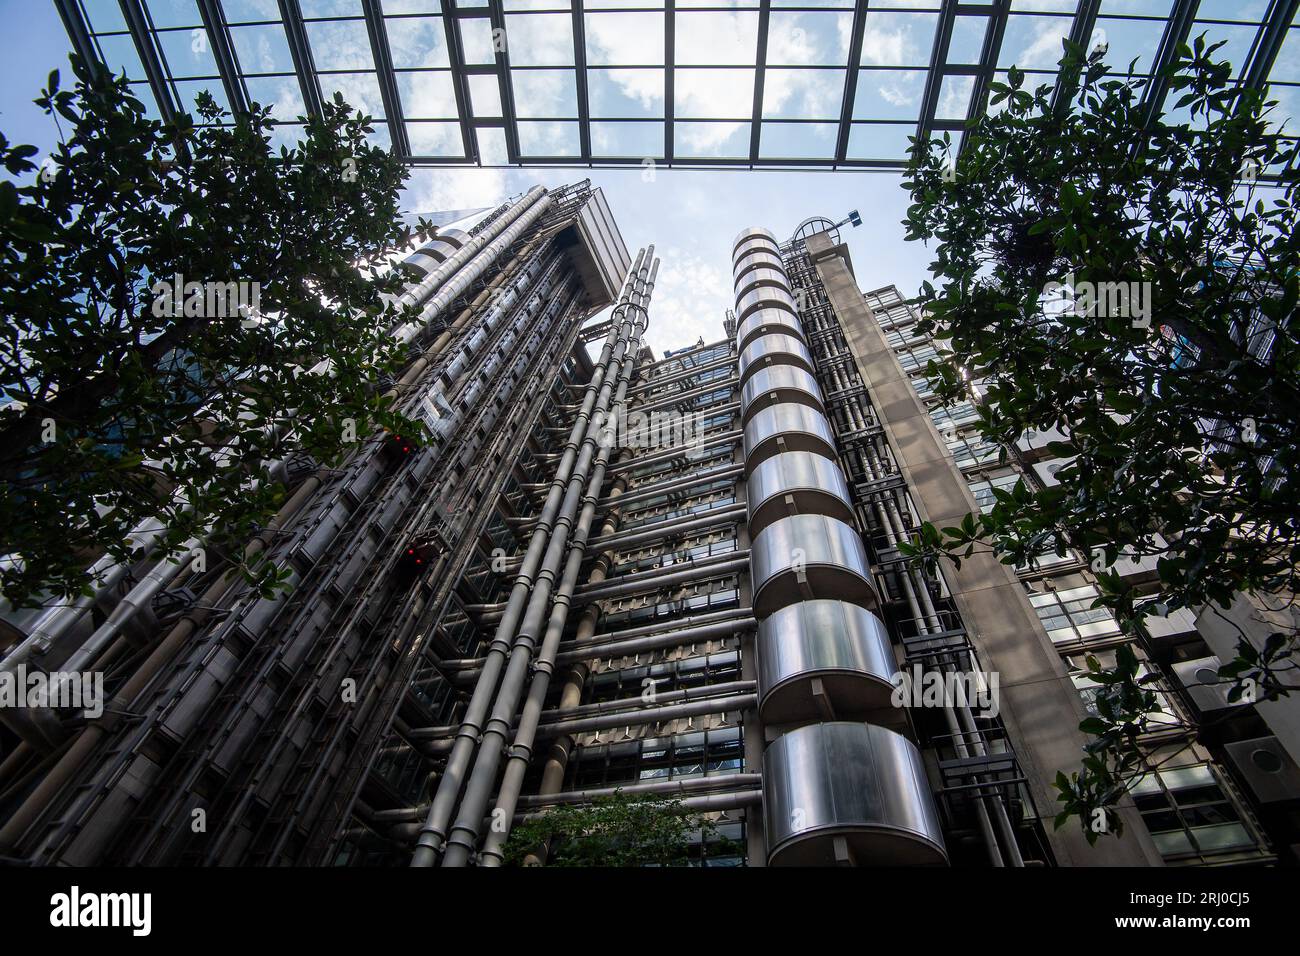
(300, 49)
(387, 78)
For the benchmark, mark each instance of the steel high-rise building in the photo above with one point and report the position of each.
(611, 572)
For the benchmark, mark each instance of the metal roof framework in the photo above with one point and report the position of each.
(821, 84)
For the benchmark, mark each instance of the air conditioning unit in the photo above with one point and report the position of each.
(1208, 690)
(1267, 767)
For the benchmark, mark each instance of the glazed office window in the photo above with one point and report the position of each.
(1189, 813)
(653, 557)
(664, 470)
(983, 488)
(916, 359)
(716, 595)
(958, 416)
(724, 847)
(702, 753)
(664, 677)
(1165, 716)
(968, 451)
(724, 493)
(1069, 616)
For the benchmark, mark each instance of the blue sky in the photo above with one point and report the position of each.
(690, 215)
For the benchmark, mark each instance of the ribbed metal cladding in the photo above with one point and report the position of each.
(764, 321)
(768, 350)
(839, 785)
(849, 793)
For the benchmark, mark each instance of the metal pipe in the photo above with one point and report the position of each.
(679, 630)
(640, 535)
(650, 715)
(533, 577)
(724, 438)
(725, 781)
(89, 738)
(464, 832)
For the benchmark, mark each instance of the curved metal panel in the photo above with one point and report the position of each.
(847, 789)
(777, 384)
(796, 482)
(822, 660)
(784, 428)
(766, 321)
(765, 297)
(768, 350)
(760, 278)
(754, 232)
(756, 259)
(802, 557)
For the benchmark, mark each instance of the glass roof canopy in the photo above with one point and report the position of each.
(745, 83)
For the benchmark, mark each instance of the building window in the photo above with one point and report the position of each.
(1188, 813)
(1069, 616)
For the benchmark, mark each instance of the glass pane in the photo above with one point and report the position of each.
(105, 17)
(244, 11)
(119, 56)
(359, 90)
(330, 8)
(1245, 10)
(340, 45)
(417, 42)
(729, 140)
(618, 38)
(797, 140)
(967, 40)
(713, 37)
(625, 92)
(889, 94)
(281, 93)
(174, 13)
(802, 94)
(427, 95)
(549, 139)
(288, 135)
(808, 39)
(188, 91)
(1127, 40)
(1286, 68)
(492, 149)
(879, 141)
(1236, 41)
(262, 49)
(542, 39)
(412, 6)
(954, 97)
(142, 93)
(476, 40)
(1033, 43)
(188, 53)
(434, 139)
(714, 94)
(484, 96)
(627, 139)
(543, 93)
(898, 39)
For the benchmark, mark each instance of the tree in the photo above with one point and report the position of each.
(1127, 279)
(618, 830)
(170, 294)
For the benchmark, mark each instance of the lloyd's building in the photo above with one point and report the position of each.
(545, 604)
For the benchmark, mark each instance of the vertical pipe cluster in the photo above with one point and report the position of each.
(840, 786)
(496, 694)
